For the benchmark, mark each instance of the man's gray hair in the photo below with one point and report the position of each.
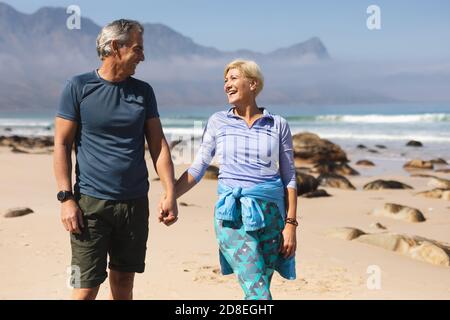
(118, 30)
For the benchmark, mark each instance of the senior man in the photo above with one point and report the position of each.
(107, 115)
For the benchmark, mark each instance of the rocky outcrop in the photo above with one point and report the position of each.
(17, 212)
(344, 233)
(316, 194)
(310, 148)
(305, 183)
(418, 164)
(335, 181)
(399, 212)
(422, 175)
(26, 142)
(415, 247)
(334, 168)
(31, 145)
(385, 184)
(366, 163)
(388, 241)
(305, 170)
(443, 194)
(47, 150)
(212, 172)
(430, 252)
(438, 161)
(377, 225)
(414, 143)
(439, 183)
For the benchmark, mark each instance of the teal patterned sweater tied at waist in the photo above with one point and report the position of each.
(252, 215)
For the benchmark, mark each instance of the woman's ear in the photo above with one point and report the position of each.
(253, 84)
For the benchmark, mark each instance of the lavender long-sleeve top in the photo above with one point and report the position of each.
(246, 156)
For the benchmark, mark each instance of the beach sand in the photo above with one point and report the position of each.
(182, 260)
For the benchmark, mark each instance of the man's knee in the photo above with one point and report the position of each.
(85, 293)
(122, 280)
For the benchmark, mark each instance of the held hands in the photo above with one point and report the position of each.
(71, 216)
(168, 210)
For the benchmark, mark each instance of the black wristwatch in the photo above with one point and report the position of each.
(64, 195)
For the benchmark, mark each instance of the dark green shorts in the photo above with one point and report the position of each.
(117, 228)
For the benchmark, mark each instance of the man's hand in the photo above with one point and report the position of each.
(71, 216)
(168, 210)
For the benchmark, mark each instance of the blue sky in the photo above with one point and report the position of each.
(410, 30)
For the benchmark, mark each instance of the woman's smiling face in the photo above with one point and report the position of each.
(238, 88)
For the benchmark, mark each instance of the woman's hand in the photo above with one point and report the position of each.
(289, 243)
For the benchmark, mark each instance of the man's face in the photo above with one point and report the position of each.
(131, 53)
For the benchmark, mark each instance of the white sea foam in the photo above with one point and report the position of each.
(183, 132)
(6, 122)
(378, 136)
(378, 118)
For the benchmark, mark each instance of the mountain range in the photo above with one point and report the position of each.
(38, 53)
(45, 30)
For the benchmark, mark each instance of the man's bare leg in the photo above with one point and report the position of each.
(121, 285)
(85, 293)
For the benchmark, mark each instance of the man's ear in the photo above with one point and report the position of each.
(115, 48)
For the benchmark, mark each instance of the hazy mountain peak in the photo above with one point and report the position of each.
(313, 46)
(4, 7)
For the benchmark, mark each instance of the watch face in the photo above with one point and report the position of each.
(61, 195)
(64, 195)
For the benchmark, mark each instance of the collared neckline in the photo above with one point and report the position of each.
(265, 114)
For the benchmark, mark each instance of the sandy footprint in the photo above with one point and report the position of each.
(316, 279)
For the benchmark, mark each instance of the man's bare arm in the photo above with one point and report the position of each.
(65, 130)
(162, 162)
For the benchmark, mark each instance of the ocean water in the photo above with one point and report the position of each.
(391, 125)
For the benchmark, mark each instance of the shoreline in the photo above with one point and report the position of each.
(182, 260)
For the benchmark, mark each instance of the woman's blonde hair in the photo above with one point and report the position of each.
(249, 69)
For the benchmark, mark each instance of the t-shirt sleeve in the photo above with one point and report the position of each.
(205, 153)
(151, 108)
(69, 104)
(287, 166)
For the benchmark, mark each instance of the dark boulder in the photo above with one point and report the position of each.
(305, 183)
(414, 143)
(335, 168)
(366, 163)
(385, 184)
(335, 181)
(17, 212)
(310, 148)
(212, 172)
(316, 194)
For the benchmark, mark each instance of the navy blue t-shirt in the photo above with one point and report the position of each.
(110, 140)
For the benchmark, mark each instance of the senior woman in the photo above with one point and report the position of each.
(255, 215)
